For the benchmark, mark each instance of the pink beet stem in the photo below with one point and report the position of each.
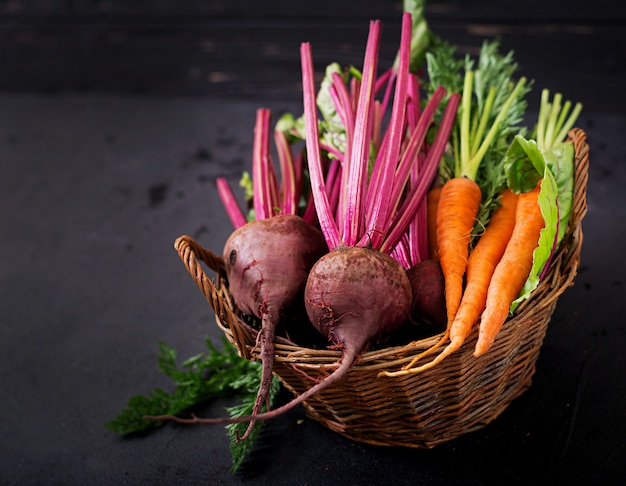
(230, 203)
(356, 165)
(414, 102)
(336, 153)
(334, 175)
(262, 200)
(343, 106)
(288, 200)
(401, 254)
(318, 189)
(417, 237)
(413, 233)
(376, 227)
(415, 144)
(407, 211)
(420, 221)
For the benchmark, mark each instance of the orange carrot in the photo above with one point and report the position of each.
(432, 201)
(512, 271)
(461, 195)
(458, 206)
(481, 264)
(478, 128)
(480, 267)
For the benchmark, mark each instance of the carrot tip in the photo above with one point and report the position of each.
(453, 346)
(481, 348)
(426, 352)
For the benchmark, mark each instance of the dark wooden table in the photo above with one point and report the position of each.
(115, 119)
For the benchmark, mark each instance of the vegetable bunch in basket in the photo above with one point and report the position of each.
(499, 216)
(407, 203)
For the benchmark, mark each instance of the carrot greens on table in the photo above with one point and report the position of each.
(208, 375)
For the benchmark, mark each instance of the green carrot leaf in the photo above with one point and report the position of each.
(208, 375)
(240, 449)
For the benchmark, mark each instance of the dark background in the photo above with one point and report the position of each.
(115, 118)
(243, 49)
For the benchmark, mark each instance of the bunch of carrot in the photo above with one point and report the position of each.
(483, 282)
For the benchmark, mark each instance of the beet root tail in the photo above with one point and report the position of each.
(345, 364)
(266, 342)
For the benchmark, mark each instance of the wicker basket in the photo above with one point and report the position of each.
(459, 395)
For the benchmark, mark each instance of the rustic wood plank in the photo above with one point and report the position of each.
(251, 49)
(358, 9)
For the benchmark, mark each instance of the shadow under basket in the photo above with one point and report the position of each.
(420, 410)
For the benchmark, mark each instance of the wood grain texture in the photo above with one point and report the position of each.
(245, 49)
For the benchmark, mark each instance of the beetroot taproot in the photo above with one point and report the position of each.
(267, 263)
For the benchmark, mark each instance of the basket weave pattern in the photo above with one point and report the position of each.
(421, 410)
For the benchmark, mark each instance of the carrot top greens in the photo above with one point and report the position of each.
(492, 109)
(208, 375)
(548, 158)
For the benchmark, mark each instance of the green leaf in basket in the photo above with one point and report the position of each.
(525, 165)
(548, 158)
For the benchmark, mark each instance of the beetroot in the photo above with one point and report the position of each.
(267, 263)
(267, 260)
(429, 306)
(355, 297)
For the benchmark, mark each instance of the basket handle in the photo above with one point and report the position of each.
(581, 176)
(192, 253)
